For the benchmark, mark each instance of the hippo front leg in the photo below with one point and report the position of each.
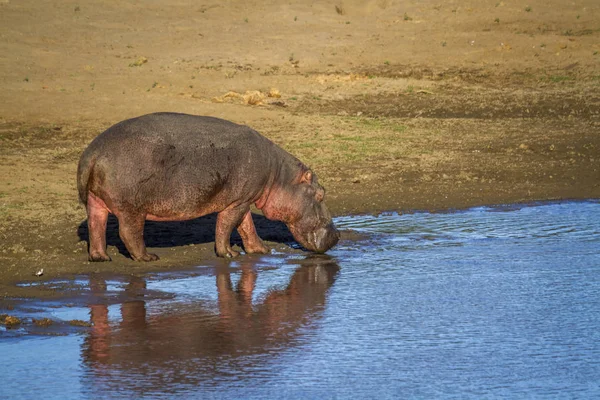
(227, 220)
(252, 243)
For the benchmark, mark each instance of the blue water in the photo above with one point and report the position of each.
(484, 303)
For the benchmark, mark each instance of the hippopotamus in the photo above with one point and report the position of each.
(174, 167)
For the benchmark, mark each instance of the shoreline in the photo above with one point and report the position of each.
(182, 257)
(395, 106)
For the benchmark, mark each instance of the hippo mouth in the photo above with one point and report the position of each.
(318, 240)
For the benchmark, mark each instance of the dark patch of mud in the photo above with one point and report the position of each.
(448, 102)
(492, 76)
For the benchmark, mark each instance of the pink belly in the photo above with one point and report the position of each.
(96, 202)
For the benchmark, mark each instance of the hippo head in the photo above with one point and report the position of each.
(300, 205)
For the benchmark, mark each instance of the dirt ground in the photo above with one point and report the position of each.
(397, 105)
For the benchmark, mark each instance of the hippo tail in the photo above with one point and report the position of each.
(84, 171)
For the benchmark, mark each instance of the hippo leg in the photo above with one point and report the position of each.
(97, 219)
(131, 232)
(227, 220)
(252, 243)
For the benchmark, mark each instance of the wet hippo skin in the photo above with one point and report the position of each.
(173, 167)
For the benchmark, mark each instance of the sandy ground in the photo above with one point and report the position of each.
(397, 105)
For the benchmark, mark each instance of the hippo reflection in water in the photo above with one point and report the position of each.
(190, 344)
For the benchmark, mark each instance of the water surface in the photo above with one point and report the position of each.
(489, 302)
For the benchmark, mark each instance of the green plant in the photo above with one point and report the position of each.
(559, 78)
(399, 128)
(528, 8)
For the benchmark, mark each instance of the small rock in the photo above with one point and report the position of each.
(43, 322)
(253, 97)
(78, 322)
(274, 93)
(139, 62)
(9, 320)
(278, 103)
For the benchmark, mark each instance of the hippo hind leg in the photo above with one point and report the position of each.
(97, 218)
(252, 242)
(131, 232)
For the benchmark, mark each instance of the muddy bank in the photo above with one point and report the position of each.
(368, 161)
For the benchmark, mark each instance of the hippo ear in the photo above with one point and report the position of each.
(307, 176)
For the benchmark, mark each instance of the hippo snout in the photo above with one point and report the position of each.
(322, 239)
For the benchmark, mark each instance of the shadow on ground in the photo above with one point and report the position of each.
(182, 233)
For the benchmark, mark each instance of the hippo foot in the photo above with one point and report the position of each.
(232, 254)
(257, 249)
(96, 257)
(228, 253)
(146, 257)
